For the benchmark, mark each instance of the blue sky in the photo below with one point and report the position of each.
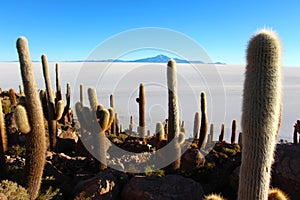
(69, 30)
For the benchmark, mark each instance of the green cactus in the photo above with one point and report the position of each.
(222, 134)
(93, 99)
(3, 143)
(233, 133)
(141, 100)
(196, 126)
(22, 119)
(204, 122)
(59, 109)
(35, 140)
(173, 116)
(260, 114)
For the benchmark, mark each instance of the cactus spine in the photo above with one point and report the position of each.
(222, 134)
(261, 114)
(35, 140)
(173, 116)
(196, 126)
(141, 100)
(233, 133)
(51, 104)
(204, 122)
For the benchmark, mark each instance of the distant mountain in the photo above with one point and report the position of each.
(162, 59)
(156, 59)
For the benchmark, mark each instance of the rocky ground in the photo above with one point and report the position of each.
(77, 177)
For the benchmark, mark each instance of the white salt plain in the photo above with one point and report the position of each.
(223, 85)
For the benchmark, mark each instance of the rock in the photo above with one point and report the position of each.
(66, 141)
(173, 187)
(286, 169)
(191, 160)
(105, 186)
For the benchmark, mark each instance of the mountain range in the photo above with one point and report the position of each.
(156, 59)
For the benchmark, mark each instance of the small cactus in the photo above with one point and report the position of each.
(12, 97)
(261, 113)
(22, 119)
(81, 94)
(58, 87)
(159, 131)
(92, 94)
(233, 133)
(59, 109)
(277, 194)
(111, 117)
(204, 122)
(295, 136)
(211, 132)
(182, 128)
(213, 197)
(240, 140)
(222, 134)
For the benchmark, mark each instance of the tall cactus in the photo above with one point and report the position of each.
(233, 131)
(35, 140)
(204, 122)
(261, 114)
(196, 126)
(52, 126)
(141, 100)
(173, 116)
(3, 143)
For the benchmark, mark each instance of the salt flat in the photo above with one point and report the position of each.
(223, 85)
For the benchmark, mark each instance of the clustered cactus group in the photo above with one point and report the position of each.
(260, 123)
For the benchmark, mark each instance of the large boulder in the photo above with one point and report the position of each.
(173, 187)
(286, 169)
(191, 160)
(105, 186)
